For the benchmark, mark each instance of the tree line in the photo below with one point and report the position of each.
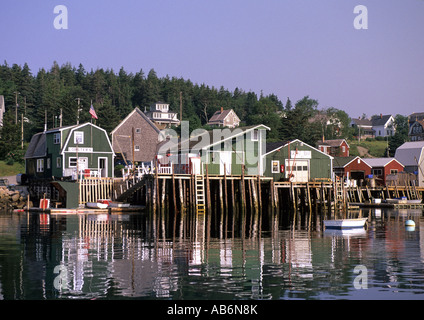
(44, 96)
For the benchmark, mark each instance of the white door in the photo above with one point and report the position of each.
(225, 158)
(299, 169)
(196, 165)
(103, 167)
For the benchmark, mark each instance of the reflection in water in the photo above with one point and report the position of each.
(193, 257)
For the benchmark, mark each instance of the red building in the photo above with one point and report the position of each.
(334, 148)
(381, 167)
(351, 168)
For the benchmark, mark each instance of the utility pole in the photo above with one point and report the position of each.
(78, 111)
(16, 106)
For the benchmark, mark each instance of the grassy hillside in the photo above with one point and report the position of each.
(7, 170)
(372, 148)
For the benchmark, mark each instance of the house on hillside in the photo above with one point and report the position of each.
(382, 167)
(377, 126)
(224, 118)
(411, 155)
(159, 113)
(83, 149)
(139, 128)
(296, 161)
(416, 126)
(220, 151)
(334, 148)
(364, 127)
(351, 168)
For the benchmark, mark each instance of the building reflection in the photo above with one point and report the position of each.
(165, 256)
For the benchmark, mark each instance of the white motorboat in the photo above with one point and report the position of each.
(345, 223)
(96, 205)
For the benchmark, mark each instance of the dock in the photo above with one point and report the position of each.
(204, 193)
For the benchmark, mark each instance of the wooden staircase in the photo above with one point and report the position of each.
(200, 194)
(130, 191)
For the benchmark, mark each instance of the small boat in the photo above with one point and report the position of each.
(345, 223)
(114, 204)
(96, 205)
(403, 200)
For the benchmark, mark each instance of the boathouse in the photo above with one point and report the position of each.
(135, 138)
(351, 168)
(220, 151)
(411, 155)
(67, 151)
(297, 161)
(382, 167)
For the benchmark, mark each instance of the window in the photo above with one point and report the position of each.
(275, 166)
(40, 165)
(138, 130)
(136, 148)
(79, 137)
(377, 172)
(56, 138)
(58, 162)
(255, 135)
(343, 149)
(72, 162)
(48, 163)
(393, 171)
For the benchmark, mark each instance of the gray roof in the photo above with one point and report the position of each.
(379, 162)
(37, 146)
(380, 120)
(409, 153)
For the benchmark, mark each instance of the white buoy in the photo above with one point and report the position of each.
(410, 223)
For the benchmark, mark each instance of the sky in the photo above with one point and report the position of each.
(290, 48)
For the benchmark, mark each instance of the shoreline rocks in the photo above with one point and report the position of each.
(13, 199)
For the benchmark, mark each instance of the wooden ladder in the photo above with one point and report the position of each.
(200, 194)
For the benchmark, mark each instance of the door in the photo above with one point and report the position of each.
(225, 159)
(196, 165)
(299, 169)
(103, 167)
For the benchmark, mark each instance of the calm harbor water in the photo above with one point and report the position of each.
(141, 256)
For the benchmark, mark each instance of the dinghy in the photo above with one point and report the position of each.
(96, 205)
(345, 223)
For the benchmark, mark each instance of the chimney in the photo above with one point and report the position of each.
(381, 116)
(222, 109)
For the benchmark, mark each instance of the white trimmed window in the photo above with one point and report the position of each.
(275, 166)
(56, 138)
(40, 165)
(79, 137)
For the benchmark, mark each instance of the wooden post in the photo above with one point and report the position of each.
(254, 195)
(242, 191)
(221, 201)
(162, 204)
(225, 189)
(259, 193)
(208, 191)
(174, 196)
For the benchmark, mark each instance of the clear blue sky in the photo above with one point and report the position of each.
(291, 48)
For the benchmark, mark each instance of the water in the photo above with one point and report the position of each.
(141, 256)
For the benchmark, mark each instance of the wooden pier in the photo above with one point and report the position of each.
(205, 193)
